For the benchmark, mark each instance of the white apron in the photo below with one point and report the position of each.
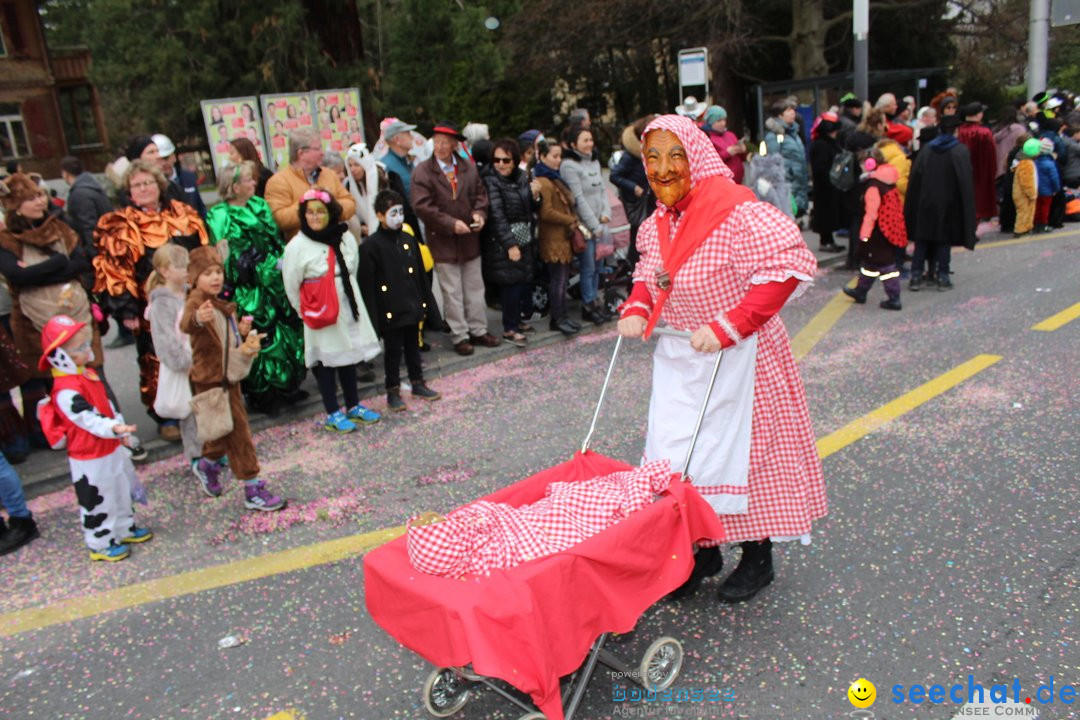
(720, 467)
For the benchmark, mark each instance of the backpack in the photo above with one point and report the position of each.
(52, 423)
(891, 219)
(843, 174)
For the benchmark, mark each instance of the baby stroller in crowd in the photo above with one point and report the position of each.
(548, 619)
(612, 258)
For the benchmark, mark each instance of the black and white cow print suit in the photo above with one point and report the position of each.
(101, 466)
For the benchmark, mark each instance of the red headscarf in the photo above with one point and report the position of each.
(712, 197)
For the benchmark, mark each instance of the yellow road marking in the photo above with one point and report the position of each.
(905, 403)
(300, 558)
(1026, 240)
(285, 715)
(195, 581)
(821, 324)
(1055, 321)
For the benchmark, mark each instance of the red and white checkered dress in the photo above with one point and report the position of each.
(755, 244)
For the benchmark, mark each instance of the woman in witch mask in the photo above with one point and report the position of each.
(719, 264)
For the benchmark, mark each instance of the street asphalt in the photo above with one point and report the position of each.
(951, 548)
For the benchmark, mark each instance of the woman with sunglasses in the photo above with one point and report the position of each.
(509, 247)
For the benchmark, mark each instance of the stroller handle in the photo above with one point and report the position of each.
(669, 332)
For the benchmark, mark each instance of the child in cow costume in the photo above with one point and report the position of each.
(80, 416)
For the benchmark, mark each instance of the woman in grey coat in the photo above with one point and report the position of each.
(581, 171)
(782, 137)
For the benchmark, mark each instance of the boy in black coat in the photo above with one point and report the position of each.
(397, 296)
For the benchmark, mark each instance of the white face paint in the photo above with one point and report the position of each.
(395, 217)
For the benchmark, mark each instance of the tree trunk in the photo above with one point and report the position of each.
(808, 36)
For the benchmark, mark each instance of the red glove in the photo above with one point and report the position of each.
(757, 308)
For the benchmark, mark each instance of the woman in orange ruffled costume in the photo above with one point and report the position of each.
(126, 240)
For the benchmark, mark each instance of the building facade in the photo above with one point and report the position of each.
(48, 107)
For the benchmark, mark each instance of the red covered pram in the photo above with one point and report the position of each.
(534, 623)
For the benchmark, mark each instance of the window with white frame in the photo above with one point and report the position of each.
(13, 139)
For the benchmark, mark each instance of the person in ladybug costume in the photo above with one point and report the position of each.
(80, 416)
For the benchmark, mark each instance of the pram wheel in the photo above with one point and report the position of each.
(445, 692)
(661, 663)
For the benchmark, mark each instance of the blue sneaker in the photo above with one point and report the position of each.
(364, 415)
(138, 535)
(113, 553)
(339, 423)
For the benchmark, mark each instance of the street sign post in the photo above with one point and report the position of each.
(694, 73)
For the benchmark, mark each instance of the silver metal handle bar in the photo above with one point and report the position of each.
(701, 413)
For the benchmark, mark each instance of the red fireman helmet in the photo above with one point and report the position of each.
(57, 331)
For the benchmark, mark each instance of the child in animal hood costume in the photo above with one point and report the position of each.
(81, 417)
(1025, 187)
(208, 320)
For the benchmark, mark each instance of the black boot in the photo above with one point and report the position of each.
(394, 403)
(754, 572)
(594, 313)
(20, 531)
(707, 562)
(944, 282)
(915, 284)
(856, 295)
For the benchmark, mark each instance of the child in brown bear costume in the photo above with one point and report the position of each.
(207, 320)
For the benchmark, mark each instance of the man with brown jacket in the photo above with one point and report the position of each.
(290, 182)
(449, 197)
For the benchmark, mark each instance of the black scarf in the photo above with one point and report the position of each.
(331, 235)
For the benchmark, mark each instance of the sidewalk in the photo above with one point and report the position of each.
(45, 470)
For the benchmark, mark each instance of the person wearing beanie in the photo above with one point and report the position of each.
(851, 109)
(527, 147)
(1049, 184)
(212, 325)
(143, 147)
(940, 206)
(1025, 187)
(732, 152)
(81, 418)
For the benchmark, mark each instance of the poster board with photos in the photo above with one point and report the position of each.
(281, 113)
(337, 116)
(228, 118)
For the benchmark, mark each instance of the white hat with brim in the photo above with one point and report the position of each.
(691, 108)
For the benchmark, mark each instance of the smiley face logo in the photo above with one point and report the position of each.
(862, 693)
